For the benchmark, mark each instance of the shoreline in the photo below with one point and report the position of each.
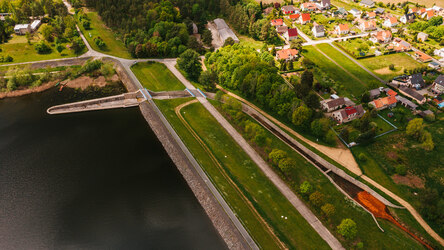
(22, 92)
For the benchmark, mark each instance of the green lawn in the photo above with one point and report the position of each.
(21, 51)
(250, 42)
(369, 234)
(295, 232)
(352, 45)
(380, 65)
(156, 77)
(114, 46)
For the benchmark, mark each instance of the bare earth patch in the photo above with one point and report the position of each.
(409, 180)
(387, 71)
(392, 155)
(85, 81)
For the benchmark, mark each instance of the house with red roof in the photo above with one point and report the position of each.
(287, 54)
(428, 14)
(309, 6)
(383, 36)
(384, 102)
(342, 29)
(371, 15)
(367, 25)
(304, 18)
(291, 34)
(422, 57)
(294, 16)
(391, 22)
(277, 22)
(401, 45)
(289, 9)
(348, 114)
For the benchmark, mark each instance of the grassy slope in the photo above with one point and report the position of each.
(267, 199)
(380, 64)
(156, 77)
(114, 46)
(368, 232)
(21, 51)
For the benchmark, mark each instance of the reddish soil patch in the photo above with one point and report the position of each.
(85, 81)
(378, 209)
(392, 155)
(27, 91)
(409, 180)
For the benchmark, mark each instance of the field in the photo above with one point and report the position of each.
(267, 200)
(304, 171)
(352, 45)
(250, 42)
(21, 51)
(156, 77)
(114, 46)
(380, 65)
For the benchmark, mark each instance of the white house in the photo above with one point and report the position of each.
(390, 22)
(318, 30)
(324, 4)
(342, 29)
(22, 29)
(367, 3)
(408, 18)
(439, 52)
(356, 13)
(367, 25)
(35, 25)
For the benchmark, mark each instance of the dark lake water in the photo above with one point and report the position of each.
(98, 180)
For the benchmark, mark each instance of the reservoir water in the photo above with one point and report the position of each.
(96, 180)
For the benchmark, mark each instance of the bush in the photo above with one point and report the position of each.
(360, 245)
(348, 229)
(99, 42)
(276, 155)
(107, 69)
(401, 170)
(392, 67)
(189, 62)
(306, 188)
(90, 66)
(286, 164)
(317, 198)
(42, 48)
(362, 157)
(328, 209)
(86, 24)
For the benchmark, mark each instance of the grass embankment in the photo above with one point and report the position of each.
(21, 51)
(114, 46)
(156, 77)
(380, 65)
(294, 231)
(368, 232)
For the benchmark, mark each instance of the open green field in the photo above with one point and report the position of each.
(250, 42)
(21, 51)
(368, 232)
(295, 232)
(114, 46)
(380, 65)
(156, 77)
(345, 84)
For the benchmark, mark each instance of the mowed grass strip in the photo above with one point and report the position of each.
(156, 77)
(21, 51)
(380, 65)
(294, 231)
(114, 46)
(349, 65)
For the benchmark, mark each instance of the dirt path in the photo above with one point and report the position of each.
(224, 173)
(341, 155)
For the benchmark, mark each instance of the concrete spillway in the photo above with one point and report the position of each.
(111, 102)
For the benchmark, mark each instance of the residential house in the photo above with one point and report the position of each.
(434, 65)
(413, 81)
(408, 18)
(277, 22)
(304, 18)
(281, 30)
(406, 102)
(384, 102)
(439, 52)
(401, 45)
(224, 31)
(412, 94)
(390, 22)
(367, 3)
(356, 13)
(342, 29)
(422, 57)
(426, 113)
(291, 34)
(379, 11)
(333, 104)
(383, 36)
(289, 9)
(22, 29)
(374, 93)
(348, 114)
(371, 15)
(318, 30)
(35, 25)
(420, 12)
(294, 17)
(324, 4)
(3, 16)
(422, 36)
(309, 7)
(367, 25)
(287, 54)
(438, 85)
(438, 10)
(341, 12)
(268, 11)
(428, 14)
(390, 92)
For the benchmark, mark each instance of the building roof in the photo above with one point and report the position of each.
(294, 16)
(268, 10)
(367, 2)
(380, 10)
(369, 24)
(423, 57)
(319, 28)
(292, 32)
(343, 27)
(406, 101)
(391, 92)
(286, 53)
(393, 20)
(355, 10)
(288, 8)
(309, 5)
(440, 80)
(305, 17)
(277, 22)
(389, 100)
(282, 29)
(224, 31)
(383, 34)
(412, 93)
(371, 14)
(21, 26)
(220, 24)
(374, 92)
(325, 2)
(417, 79)
(350, 110)
(430, 13)
(35, 24)
(336, 102)
(342, 11)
